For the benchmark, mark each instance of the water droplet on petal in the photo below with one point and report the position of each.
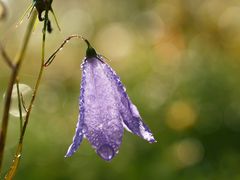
(134, 110)
(26, 92)
(84, 129)
(106, 152)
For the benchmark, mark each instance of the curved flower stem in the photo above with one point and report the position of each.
(14, 74)
(52, 57)
(13, 169)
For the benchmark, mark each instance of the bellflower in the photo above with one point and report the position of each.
(105, 109)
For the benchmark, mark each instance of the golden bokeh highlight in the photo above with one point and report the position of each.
(170, 47)
(187, 152)
(181, 115)
(118, 47)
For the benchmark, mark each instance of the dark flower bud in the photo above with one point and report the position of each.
(42, 5)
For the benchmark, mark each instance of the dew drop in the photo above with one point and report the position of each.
(19, 155)
(84, 129)
(26, 92)
(106, 152)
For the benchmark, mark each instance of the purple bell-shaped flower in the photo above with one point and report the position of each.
(105, 109)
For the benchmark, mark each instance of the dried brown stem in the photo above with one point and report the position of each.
(6, 58)
(14, 74)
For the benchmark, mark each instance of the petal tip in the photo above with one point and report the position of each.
(70, 151)
(152, 141)
(68, 154)
(146, 133)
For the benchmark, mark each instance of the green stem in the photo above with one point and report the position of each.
(13, 169)
(14, 74)
(38, 79)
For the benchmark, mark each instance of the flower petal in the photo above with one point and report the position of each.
(77, 139)
(132, 120)
(102, 119)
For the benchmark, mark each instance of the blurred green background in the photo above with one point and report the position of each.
(180, 63)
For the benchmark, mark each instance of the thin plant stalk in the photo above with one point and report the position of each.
(14, 73)
(13, 169)
(36, 87)
(17, 159)
(19, 106)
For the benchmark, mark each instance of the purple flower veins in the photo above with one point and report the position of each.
(105, 109)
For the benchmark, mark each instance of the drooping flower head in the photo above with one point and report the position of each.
(42, 5)
(45, 5)
(105, 109)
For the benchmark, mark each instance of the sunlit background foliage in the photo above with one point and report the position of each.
(180, 62)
